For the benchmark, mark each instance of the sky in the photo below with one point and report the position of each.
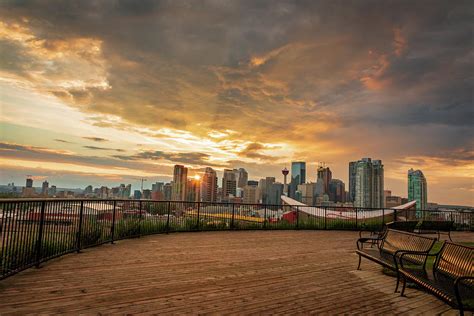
(108, 92)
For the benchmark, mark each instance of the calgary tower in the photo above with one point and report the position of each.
(285, 187)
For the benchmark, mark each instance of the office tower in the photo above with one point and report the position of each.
(180, 179)
(242, 177)
(127, 192)
(298, 176)
(44, 188)
(252, 182)
(250, 194)
(319, 190)
(273, 193)
(167, 191)
(308, 193)
(28, 190)
(157, 187)
(369, 182)
(193, 190)
(325, 174)
(285, 173)
(352, 180)
(337, 191)
(417, 189)
(137, 194)
(229, 184)
(209, 185)
(146, 194)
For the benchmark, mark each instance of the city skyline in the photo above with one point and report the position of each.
(98, 100)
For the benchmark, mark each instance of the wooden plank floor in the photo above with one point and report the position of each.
(252, 272)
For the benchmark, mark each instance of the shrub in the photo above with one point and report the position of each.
(91, 233)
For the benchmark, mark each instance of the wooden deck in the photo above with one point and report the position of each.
(251, 272)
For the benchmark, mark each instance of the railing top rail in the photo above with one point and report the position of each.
(23, 200)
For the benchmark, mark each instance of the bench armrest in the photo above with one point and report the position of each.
(360, 242)
(372, 232)
(411, 252)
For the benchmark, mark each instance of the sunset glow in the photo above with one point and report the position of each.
(104, 92)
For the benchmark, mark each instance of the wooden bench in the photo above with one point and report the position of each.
(407, 226)
(452, 276)
(391, 245)
(435, 227)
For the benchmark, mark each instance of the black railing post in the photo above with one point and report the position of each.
(139, 219)
(394, 215)
(356, 218)
(297, 217)
(233, 215)
(79, 232)
(40, 235)
(198, 222)
(265, 216)
(112, 228)
(168, 218)
(383, 217)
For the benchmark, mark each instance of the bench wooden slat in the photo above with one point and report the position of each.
(452, 277)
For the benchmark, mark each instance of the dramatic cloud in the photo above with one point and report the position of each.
(103, 148)
(96, 139)
(257, 83)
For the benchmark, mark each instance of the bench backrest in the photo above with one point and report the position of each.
(398, 240)
(455, 260)
(407, 226)
(437, 225)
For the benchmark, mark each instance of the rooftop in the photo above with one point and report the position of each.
(215, 272)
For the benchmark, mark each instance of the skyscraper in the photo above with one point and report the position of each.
(209, 185)
(229, 184)
(242, 178)
(352, 180)
(417, 189)
(298, 176)
(45, 188)
(369, 182)
(250, 194)
(180, 178)
(274, 191)
(325, 174)
(337, 191)
(157, 187)
(193, 190)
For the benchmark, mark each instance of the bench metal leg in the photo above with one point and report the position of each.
(404, 286)
(398, 282)
(358, 267)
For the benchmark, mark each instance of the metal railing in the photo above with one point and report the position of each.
(33, 231)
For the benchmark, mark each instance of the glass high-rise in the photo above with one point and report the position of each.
(366, 183)
(298, 176)
(209, 185)
(417, 189)
(180, 179)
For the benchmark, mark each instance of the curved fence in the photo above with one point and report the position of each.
(34, 231)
